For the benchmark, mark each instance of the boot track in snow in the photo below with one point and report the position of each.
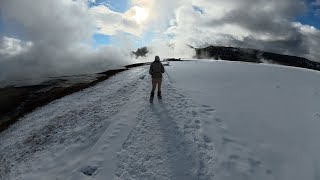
(125, 137)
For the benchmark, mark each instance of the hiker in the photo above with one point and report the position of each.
(156, 70)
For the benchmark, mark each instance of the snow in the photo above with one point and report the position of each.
(109, 131)
(266, 118)
(217, 120)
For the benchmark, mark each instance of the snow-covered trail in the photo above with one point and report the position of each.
(110, 131)
(166, 143)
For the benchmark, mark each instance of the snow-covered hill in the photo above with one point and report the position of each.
(266, 119)
(217, 120)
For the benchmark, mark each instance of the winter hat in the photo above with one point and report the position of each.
(157, 58)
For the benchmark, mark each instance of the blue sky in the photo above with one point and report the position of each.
(311, 17)
(115, 5)
(119, 6)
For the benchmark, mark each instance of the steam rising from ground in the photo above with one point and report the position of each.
(54, 37)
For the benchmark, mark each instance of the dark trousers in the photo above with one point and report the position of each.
(155, 82)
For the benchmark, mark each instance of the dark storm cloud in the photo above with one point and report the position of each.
(266, 17)
(266, 25)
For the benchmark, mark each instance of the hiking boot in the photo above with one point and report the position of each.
(151, 97)
(159, 95)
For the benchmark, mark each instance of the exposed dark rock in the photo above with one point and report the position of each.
(255, 56)
(15, 102)
(173, 59)
(135, 65)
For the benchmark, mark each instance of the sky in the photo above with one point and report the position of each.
(47, 38)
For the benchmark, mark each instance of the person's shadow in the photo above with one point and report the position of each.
(181, 151)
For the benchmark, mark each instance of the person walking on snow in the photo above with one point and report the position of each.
(156, 70)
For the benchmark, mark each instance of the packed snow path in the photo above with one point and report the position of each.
(110, 131)
(223, 121)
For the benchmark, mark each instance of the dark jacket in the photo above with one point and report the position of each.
(156, 69)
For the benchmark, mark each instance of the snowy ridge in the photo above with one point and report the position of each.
(265, 122)
(114, 116)
(223, 121)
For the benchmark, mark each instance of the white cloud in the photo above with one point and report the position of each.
(61, 34)
(112, 23)
(56, 36)
(265, 25)
(13, 47)
(311, 39)
(157, 16)
(259, 24)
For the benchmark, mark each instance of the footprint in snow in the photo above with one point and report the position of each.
(89, 170)
(317, 116)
